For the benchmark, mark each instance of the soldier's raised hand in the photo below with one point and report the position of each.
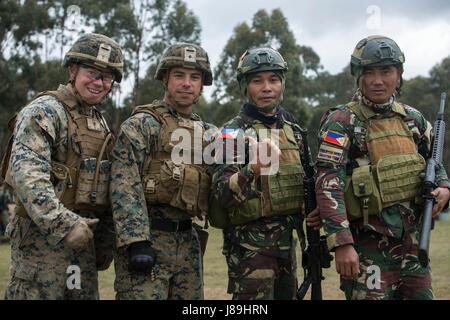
(266, 154)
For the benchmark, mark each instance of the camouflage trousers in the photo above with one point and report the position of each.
(42, 269)
(177, 273)
(389, 268)
(255, 276)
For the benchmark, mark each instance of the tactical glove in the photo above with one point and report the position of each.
(81, 233)
(141, 257)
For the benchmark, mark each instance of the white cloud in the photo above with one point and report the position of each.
(332, 28)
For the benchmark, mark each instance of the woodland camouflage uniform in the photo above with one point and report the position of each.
(388, 236)
(260, 248)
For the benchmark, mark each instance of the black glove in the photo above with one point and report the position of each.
(141, 257)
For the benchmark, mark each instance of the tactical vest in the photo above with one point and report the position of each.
(392, 176)
(181, 184)
(82, 181)
(282, 192)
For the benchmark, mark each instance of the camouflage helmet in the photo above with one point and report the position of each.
(185, 55)
(99, 50)
(375, 51)
(260, 59)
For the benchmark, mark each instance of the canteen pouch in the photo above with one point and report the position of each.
(182, 186)
(361, 195)
(247, 211)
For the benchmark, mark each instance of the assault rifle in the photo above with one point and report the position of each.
(316, 256)
(429, 177)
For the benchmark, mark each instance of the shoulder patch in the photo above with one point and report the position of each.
(229, 133)
(329, 153)
(335, 138)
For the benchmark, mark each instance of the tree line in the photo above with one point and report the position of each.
(34, 36)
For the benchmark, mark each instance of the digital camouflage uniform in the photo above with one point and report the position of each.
(40, 258)
(177, 271)
(388, 240)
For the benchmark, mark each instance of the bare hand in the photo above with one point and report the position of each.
(313, 219)
(263, 159)
(442, 196)
(347, 262)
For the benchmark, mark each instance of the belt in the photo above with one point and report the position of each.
(171, 226)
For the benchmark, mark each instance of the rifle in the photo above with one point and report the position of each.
(316, 256)
(429, 183)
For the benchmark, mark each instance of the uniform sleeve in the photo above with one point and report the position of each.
(36, 129)
(129, 207)
(233, 180)
(331, 177)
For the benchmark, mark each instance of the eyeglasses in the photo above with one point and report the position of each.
(95, 74)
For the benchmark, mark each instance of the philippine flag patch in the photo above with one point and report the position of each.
(229, 133)
(336, 138)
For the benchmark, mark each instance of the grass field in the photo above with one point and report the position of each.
(215, 270)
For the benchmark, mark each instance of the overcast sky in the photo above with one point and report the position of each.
(333, 28)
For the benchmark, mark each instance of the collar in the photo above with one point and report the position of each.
(253, 112)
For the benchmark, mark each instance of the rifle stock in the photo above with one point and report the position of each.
(429, 177)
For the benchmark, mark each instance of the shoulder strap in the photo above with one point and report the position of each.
(355, 107)
(363, 112)
(67, 101)
(157, 111)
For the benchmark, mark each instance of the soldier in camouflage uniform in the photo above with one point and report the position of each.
(263, 207)
(60, 139)
(154, 196)
(368, 188)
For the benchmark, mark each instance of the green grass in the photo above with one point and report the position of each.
(216, 279)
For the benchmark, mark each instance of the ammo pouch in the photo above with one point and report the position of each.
(284, 196)
(83, 188)
(86, 187)
(398, 177)
(362, 197)
(92, 183)
(285, 190)
(182, 186)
